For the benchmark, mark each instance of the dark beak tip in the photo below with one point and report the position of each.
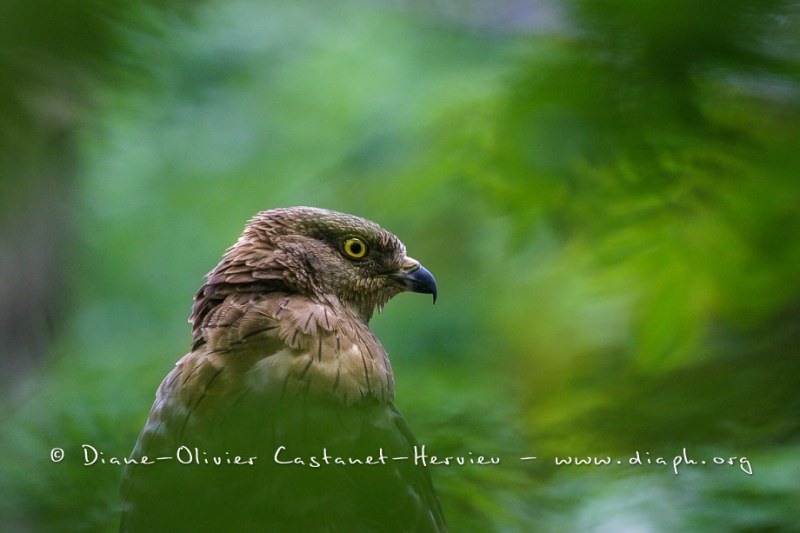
(425, 282)
(421, 281)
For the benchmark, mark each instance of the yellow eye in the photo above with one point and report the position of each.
(355, 248)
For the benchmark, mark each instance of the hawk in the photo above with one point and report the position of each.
(282, 415)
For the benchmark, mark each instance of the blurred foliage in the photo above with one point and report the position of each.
(611, 207)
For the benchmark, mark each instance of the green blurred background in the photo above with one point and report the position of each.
(607, 193)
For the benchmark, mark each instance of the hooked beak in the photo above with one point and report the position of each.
(414, 277)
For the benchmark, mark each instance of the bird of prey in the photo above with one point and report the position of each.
(282, 415)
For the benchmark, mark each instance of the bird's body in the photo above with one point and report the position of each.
(287, 388)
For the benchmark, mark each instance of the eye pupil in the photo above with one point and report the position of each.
(355, 248)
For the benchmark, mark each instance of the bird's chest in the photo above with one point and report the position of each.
(330, 368)
(271, 407)
(297, 347)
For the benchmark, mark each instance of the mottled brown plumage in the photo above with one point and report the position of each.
(282, 356)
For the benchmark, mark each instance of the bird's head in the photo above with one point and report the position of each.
(324, 255)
